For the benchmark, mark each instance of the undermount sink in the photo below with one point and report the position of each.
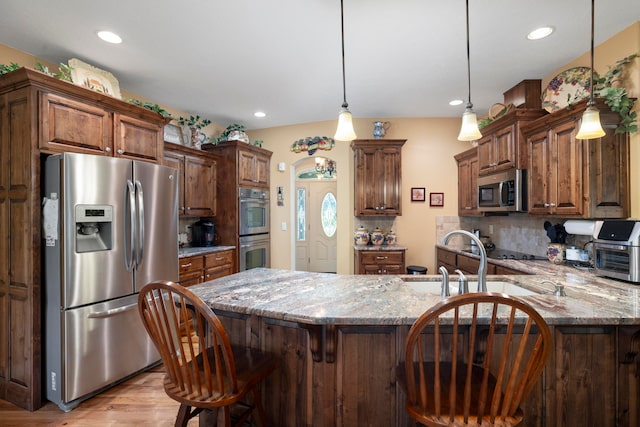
(492, 286)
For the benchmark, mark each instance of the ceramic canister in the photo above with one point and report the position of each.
(390, 238)
(377, 237)
(361, 236)
(555, 252)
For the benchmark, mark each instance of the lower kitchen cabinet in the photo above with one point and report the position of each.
(379, 262)
(469, 265)
(201, 268)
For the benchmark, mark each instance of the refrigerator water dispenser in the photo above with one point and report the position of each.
(93, 228)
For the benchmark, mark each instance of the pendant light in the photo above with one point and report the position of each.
(345, 130)
(469, 130)
(590, 126)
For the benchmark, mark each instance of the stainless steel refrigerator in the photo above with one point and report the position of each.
(110, 227)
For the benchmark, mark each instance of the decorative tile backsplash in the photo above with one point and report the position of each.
(517, 232)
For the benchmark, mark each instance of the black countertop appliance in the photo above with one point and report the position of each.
(203, 233)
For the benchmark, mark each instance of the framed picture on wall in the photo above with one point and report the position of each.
(417, 194)
(436, 199)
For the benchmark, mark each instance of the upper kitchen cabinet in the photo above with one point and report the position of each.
(197, 174)
(502, 146)
(248, 164)
(570, 177)
(78, 120)
(468, 182)
(378, 174)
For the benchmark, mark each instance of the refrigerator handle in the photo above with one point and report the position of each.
(140, 251)
(130, 195)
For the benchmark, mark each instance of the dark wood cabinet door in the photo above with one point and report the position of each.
(538, 173)
(566, 164)
(378, 175)
(468, 164)
(67, 125)
(199, 186)
(137, 139)
(504, 148)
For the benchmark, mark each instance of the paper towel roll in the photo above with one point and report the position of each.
(584, 228)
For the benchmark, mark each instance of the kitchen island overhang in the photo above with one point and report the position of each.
(339, 339)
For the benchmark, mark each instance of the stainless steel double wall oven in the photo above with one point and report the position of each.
(254, 228)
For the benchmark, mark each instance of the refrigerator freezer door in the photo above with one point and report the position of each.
(156, 249)
(86, 181)
(100, 344)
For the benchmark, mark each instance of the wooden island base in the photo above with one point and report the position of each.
(345, 375)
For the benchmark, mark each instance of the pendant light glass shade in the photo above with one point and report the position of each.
(345, 130)
(469, 130)
(590, 126)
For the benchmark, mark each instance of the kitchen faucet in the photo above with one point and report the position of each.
(482, 268)
(463, 283)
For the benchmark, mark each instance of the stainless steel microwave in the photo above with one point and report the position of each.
(503, 192)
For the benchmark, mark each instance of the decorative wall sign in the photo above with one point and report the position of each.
(436, 199)
(417, 194)
(313, 143)
(174, 134)
(94, 78)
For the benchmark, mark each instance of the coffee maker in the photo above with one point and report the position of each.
(203, 233)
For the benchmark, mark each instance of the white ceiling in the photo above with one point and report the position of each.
(226, 59)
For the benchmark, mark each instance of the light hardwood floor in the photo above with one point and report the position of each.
(139, 401)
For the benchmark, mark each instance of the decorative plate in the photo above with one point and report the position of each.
(568, 87)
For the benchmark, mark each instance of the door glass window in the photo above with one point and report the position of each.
(301, 223)
(329, 214)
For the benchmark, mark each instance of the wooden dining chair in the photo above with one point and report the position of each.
(203, 370)
(472, 359)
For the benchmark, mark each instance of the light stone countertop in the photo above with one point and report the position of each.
(379, 248)
(323, 299)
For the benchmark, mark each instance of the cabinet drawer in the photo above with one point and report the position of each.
(218, 259)
(446, 257)
(190, 264)
(215, 272)
(499, 269)
(382, 257)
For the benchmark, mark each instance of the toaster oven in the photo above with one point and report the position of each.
(616, 249)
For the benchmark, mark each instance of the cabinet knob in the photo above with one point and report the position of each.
(186, 265)
(468, 208)
(107, 149)
(188, 208)
(546, 205)
(120, 151)
(552, 205)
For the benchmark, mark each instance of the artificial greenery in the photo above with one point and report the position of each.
(4, 69)
(64, 71)
(608, 86)
(194, 122)
(150, 106)
(225, 133)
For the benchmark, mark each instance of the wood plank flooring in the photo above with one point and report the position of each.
(140, 401)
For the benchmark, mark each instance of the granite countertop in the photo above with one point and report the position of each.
(321, 298)
(379, 248)
(203, 250)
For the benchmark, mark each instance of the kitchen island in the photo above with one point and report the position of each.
(339, 339)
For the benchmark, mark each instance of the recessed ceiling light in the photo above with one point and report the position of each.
(259, 114)
(540, 33)
(110, 37)
(456, 102)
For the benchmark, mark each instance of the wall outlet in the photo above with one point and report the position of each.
(283, 226)
(490, 228)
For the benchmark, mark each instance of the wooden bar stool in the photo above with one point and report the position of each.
(477, 373)
(203, 370)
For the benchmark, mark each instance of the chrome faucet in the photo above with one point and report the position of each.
(559, 292)
(463, 283)
(482, 268)
(444, 293)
